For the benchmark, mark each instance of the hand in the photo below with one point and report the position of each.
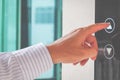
(77, 46)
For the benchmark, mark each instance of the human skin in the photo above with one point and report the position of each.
(77, 46)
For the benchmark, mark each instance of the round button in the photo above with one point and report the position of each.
(111, 27)
(109, 51)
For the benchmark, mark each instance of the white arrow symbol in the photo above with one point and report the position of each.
(109, 50)
(110, 27)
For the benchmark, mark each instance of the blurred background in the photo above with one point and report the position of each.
(27, 22)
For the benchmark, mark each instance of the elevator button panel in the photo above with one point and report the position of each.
(107, 64)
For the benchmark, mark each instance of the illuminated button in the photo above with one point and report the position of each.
(111, 27)
(109, 51)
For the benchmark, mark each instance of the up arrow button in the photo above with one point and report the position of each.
(111, 27)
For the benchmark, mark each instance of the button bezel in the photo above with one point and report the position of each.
(111, 25)
(112, 51)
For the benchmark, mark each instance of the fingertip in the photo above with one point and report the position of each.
(83, 62)
(97, 27)
(103, 24)
(93, 58)
(75, 63)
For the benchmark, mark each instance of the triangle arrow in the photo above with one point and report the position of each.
(109, 50)
(110, 27)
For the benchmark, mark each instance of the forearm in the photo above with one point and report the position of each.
(31, 61)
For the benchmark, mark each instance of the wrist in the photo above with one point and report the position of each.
(54, 53)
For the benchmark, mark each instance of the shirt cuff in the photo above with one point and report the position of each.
(34, 60)
(47, 56)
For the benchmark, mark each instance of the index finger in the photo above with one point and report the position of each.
(96, 27)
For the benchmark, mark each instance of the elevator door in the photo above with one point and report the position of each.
(107, 65)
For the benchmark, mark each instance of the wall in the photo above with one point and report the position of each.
(78, 13)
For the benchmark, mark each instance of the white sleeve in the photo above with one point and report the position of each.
(25, 64)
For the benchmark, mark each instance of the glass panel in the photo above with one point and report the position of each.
(42, 21)
(45, 25)
(9, 25)
(42, 25)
